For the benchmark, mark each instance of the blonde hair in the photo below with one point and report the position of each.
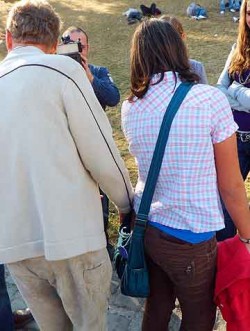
(175, 23)
(34, 21)
(241, 56)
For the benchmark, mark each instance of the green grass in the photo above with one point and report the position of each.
(208, 41)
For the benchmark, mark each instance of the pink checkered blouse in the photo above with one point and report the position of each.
(186, 195)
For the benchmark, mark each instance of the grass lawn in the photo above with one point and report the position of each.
(208, 41)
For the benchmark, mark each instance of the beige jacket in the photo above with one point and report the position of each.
(56, 146)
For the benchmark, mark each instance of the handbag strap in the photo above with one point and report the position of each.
(155, 166)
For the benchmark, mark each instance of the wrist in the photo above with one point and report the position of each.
(244, 240)
(90, 77)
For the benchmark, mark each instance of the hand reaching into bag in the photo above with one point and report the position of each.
(128, 219)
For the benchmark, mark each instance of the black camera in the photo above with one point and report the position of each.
(70, 48)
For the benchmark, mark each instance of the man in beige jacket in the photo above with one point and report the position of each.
(56, 147)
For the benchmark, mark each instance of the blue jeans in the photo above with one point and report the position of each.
(201, 11)
(6, 319)
(233, 4)
(244, 160)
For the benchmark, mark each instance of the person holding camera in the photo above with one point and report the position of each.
(53, 134)
(106, 92)
(103, 85)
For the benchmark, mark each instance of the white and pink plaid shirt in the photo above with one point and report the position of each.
(186, 195)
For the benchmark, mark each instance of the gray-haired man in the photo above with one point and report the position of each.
(53, 133)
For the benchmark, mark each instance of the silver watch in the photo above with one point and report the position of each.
(246, 241)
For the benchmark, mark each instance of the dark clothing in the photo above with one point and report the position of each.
(105, 90)
(178, 269)
(6, 319)
(150, 11)
(105, 209)
(243, 121)
(108, 95)
(244, 160)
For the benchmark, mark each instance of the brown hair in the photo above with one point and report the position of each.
(156, 48)
(72, 29)
(241, 56)
(175, 23)
(34, 21)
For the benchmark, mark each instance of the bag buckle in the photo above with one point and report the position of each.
(140, 222)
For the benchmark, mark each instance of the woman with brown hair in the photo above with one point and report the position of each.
(234, 81)
(180, 242)
(196, 66)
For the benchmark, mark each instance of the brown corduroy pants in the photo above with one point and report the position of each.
(178, 269)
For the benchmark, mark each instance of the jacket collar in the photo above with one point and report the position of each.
(25, 50)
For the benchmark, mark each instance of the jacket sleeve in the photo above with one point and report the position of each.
(203, 75)
(92, 135)
(224, 82)
(240, 93)
(224, 79)
(106, 91)
(199, 69)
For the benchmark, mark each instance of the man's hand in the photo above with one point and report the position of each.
(128, 218)
(86, 68)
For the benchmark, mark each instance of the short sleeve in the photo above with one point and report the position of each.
(222, 121)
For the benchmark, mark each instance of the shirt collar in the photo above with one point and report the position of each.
(168, 77)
